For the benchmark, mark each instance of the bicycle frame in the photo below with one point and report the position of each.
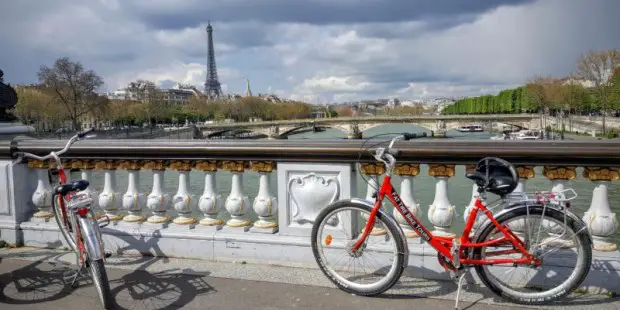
(75, 224)
(445, 245)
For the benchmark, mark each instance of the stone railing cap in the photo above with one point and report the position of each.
(568, 153)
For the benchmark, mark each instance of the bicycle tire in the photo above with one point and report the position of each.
(100, 280)
(390, 224)
(560, 291)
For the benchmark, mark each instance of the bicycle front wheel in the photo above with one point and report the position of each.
(100, 279)
(378, 263)
(560, 241)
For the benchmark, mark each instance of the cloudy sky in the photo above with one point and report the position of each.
(317, 50)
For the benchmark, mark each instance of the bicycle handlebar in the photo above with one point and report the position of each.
(405, 136)
(408, 136)
(83, 133)
(76, 137)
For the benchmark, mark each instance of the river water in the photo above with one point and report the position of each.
(424, 186)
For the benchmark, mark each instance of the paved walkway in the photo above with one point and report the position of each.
(33, 280)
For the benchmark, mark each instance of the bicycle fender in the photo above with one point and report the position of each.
(90, 238)
(389, 218)
(512, 207)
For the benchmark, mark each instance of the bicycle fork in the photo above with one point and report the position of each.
(88, 237)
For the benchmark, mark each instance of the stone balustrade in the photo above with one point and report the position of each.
(294, 181)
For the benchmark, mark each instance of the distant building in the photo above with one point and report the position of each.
(578, 81)
(176, 96)
(121, 94)
(393, 103)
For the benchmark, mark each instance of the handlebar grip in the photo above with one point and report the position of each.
(83, 133)
(393, 152)
(409, 136)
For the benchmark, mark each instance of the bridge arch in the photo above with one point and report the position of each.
(236, 132)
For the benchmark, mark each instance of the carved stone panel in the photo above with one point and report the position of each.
(5, 191)
(305, 189)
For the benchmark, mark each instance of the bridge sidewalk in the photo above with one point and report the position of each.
(31, 279)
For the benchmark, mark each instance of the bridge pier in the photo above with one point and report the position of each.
(439, 133)
(273, 132)
(354, 132)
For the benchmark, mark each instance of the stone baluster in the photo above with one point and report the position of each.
(237, 203)
(441, 212)
(210, 203)
(86, 170)
(480, 217)
(525, 173)
(42, 196)
(158, 201)
(109, 199)
(601, 221)
(133, 200)
(373, 171)
(407, 172)
(558, 176)
(265, 205)
(183, 201)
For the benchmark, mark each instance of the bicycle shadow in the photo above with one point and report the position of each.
(144, 288)
(161, 290)
(38, 282)
(438, 285)
(43, 280)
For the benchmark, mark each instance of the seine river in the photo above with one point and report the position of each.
(459, 187)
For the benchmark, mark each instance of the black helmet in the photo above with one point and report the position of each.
(495, 175)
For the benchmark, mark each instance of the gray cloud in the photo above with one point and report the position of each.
(175, 14)
(334, 50)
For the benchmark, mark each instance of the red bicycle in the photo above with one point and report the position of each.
(532, 252)
(77, 223)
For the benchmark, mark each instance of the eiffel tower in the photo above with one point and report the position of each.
(212, 85)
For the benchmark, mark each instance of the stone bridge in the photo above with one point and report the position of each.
(353, 127)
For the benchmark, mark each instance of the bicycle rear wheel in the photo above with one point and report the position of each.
(559, 240)
(379, 262)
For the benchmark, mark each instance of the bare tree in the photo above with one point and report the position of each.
(73, 87)
(598, 67)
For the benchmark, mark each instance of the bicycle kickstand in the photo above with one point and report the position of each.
(458, 289)
(75, 277)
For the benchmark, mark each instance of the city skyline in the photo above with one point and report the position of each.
(317, 51)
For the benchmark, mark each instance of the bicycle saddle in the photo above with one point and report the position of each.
(74, 186)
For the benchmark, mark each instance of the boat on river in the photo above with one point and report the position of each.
(526, 134)
(471, 128)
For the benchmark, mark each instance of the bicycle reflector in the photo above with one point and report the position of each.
(328, 239)
(82, 211)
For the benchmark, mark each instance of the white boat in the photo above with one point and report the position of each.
(471, 128)
(527, 134)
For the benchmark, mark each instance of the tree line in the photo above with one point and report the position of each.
(594, 88)
(66, 94)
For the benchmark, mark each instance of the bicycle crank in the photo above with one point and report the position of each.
(445, 262)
